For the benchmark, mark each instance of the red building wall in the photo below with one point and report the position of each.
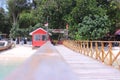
(39, 37)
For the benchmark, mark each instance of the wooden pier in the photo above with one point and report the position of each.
(60, 63)
(45, 64)
(87, 68)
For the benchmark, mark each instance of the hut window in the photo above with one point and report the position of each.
(43, 37)
(37, 37)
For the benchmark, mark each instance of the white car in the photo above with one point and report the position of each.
(3, 43)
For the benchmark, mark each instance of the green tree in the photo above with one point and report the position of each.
(53, 11)
(94, 27)
(100, 16)
(17, 9)
(90, 16)
(14, 31)
(115, 6)
(2, 19)
(27, 19)
(5, 24)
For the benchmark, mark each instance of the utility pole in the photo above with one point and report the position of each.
(46, 25)
(47, 29)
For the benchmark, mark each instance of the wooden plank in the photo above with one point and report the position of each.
(45, 64)
(87, 68)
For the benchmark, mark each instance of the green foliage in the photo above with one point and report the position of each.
(84, 8)
(5, 24)
(32, 28)
(87, 19)
(14, 31)
(113, 10)
(15, 8)
(2, 19)
(26, 19)
(115, 5)
(53, 12)
(94, 27)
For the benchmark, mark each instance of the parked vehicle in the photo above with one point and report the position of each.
(4, 45)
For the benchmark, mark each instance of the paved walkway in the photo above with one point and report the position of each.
(87, 68)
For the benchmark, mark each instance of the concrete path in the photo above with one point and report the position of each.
(45, 64)
(87, 68)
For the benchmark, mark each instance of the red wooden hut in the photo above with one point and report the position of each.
(39, 37)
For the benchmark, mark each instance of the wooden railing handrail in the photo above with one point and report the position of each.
(99, 50)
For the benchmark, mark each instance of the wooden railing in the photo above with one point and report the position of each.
(107, 52)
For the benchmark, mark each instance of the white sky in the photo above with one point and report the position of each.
(3, 4)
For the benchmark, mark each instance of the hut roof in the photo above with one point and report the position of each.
(37, 30)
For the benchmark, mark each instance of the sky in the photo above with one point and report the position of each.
(3, 4)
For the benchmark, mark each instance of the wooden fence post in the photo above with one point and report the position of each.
(102, 48)
(96, 48)
(110, 53)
